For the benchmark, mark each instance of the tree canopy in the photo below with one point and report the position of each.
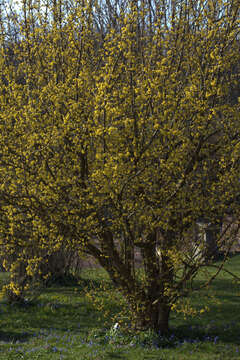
(119, 129)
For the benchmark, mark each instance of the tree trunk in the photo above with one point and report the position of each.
(154, 317)
(162, 319)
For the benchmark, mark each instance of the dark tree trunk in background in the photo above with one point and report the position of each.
(162, 319)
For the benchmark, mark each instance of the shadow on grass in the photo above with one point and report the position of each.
(51, 312)
(13, 337)
(221, 322)
(66, 280)
(82, 284)
(112, 355)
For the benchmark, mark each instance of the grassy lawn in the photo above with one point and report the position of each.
(63, 324)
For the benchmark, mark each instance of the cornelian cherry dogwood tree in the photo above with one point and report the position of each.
(119, 130)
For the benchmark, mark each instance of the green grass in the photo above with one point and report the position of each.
(63, 324)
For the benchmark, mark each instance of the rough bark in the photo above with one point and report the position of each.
(152, 316)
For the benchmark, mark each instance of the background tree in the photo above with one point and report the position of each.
(124, 132)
